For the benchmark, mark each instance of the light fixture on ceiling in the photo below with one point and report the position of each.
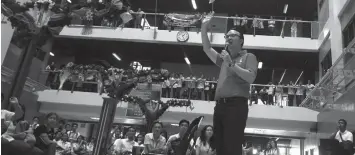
(95, 118)
(260, 65)
(285, 8)
(187, 60)
(116, 56)
(51, 54)
(69, 1)
(174, 124)
(193, 2)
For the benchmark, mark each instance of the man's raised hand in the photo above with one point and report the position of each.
(207, 20)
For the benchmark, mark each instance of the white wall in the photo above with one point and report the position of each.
(164, 36)
(6, 35)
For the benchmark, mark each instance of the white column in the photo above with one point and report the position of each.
(336, 38)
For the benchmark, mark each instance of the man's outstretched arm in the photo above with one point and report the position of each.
(211, 53)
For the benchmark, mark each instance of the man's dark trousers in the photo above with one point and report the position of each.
(229, 121)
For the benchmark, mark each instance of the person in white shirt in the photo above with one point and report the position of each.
(154, 142)
(63, 145)
(309, 88)
(125, 146)
(73, 134)
(343, 136)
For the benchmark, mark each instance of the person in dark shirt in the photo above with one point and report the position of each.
(45, 134)
(213, 86)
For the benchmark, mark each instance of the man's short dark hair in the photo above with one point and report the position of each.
(131, 127)
(184, 121)
(62, 121)
(343, 120)
(74, 124)
(157, 122)
(241, 31)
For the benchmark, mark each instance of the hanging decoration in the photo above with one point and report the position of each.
(153, 109)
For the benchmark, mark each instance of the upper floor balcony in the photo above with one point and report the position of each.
(260, 33)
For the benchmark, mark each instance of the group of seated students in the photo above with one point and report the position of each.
(19, 137)
(157, 142)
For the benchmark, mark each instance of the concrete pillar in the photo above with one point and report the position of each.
(106, 120)
(302, 147)
(336, 39)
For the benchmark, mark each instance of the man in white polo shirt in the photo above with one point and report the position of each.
(344, 136)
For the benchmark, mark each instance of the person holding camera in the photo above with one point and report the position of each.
(345, 138)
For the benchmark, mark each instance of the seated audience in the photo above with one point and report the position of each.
(140, 139)
(80, 146)
(154, 142)
(35, 123)
(205, 141)
(174, 140)
(63, 145)
(17, 138)
(125, 146)
(73, 134)
(45, 134)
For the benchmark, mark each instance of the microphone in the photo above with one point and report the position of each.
(226, 48)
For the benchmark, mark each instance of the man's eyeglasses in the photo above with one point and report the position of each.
(231, 35)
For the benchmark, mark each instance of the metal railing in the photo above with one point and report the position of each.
(338, 80)
(253, 25)
(199, 89)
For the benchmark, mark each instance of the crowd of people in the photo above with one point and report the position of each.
(179, 86)
(274, 94)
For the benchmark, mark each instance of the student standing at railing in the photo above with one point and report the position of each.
(179, 85)
(270, 93)
(309, 88)
(278, 95)
(167, 89)
(207, 89)
(299, 93)
(163, 88)
(271, 26)
(294, 28)
(173, 85)
(200, 87)
(263, 95)
(253, 96)
(291, 94)
(213, 85)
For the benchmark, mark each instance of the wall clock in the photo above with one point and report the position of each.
(182, 36)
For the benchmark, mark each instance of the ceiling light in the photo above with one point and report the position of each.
(116, 56)
(285, 8)
(95, 118)
(260, 65)
(255, 151)
(69, 1)
(52, 54)
(194, 4)
(174, 124)
(187, 60)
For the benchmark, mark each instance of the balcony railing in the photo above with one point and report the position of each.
(220, 24)
(337, 82)
(200, 89)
